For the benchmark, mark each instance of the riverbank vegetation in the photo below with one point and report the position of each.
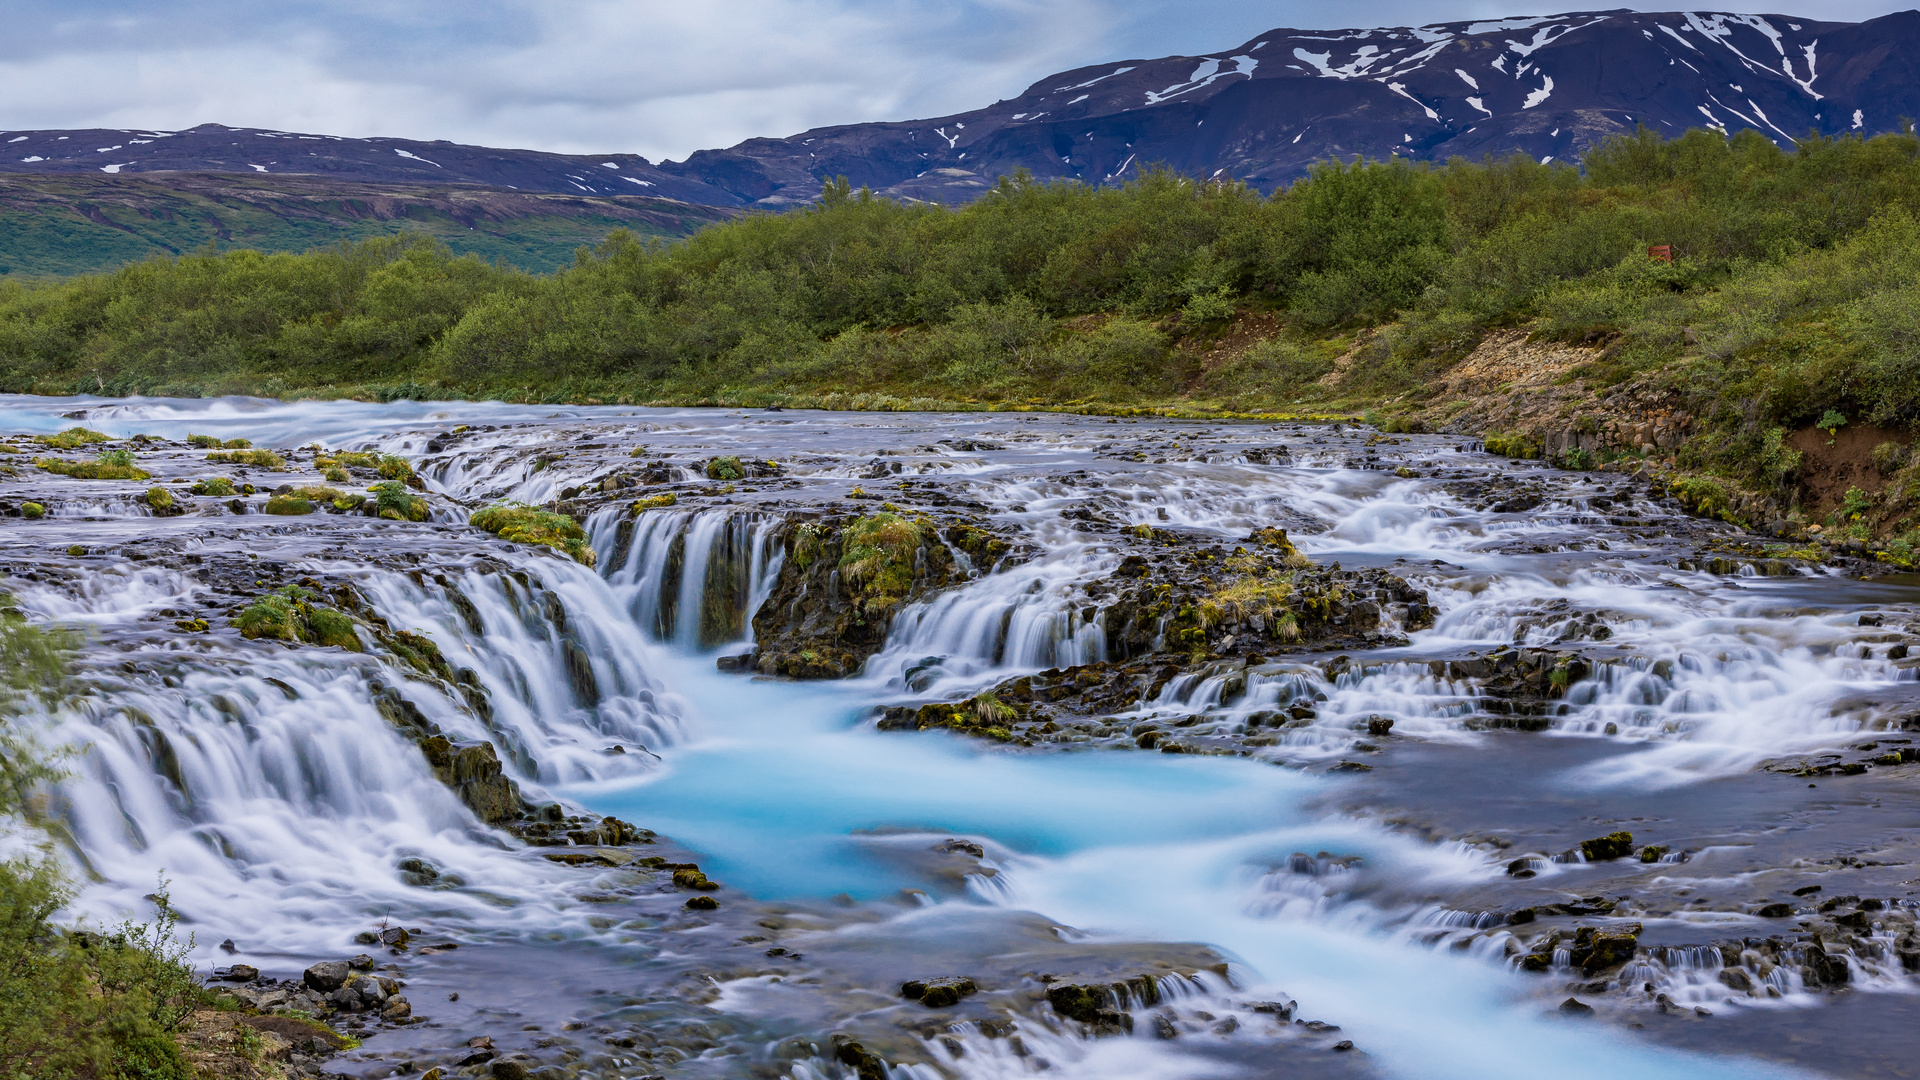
(73, 1003)
(1788, 297)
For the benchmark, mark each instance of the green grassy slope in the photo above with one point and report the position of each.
(55, 226)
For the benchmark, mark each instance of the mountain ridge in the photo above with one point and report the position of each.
(1264, 112)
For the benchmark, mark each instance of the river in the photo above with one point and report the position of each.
(1345, 852)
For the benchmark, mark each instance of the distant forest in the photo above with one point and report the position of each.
(1791, 292)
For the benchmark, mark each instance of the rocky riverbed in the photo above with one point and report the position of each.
(809, 745)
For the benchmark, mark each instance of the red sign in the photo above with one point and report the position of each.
(1663, 252)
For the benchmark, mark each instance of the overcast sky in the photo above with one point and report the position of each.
(656, 77)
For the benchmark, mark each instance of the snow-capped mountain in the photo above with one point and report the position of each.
(1267, 109)
(1263, 111)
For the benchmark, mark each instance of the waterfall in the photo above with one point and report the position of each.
(693, 578)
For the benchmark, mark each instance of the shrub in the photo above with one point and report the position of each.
(394, 502)
(523, 524)
(1511, 445)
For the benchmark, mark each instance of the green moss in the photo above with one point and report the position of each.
(213, 485)
(265, 459)
(112, 465)
(725, 468)
(394, 502)
(523, 524)
(210, 442)
(329, 627)
(32, 511)
(289, 614)
(159, 498)
(73, 438)
(876, 562)
(288, 505)
(395, 467)
(275, 615)
(337, 475)
(655, 502)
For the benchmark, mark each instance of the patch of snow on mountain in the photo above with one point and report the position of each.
(1090, 82)
(1540, 95)
(1466, 78)
(415, 157)
(1475, 102)
(1675, 35)
(1401, 89)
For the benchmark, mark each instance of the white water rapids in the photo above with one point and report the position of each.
(266, 784)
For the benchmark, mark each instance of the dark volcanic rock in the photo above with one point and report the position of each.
(844, 577)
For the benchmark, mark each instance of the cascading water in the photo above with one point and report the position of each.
(1423, 898)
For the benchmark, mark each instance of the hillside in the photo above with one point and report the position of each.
(53, 225)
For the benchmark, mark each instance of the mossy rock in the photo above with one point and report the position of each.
(392, 501)
(655, 502)
(289, 614)
(213, 485)
(725, 468)
(876, 562)
(523, 524)
(265, 459)
(112, 465)
(1617, 845)
(73, 438)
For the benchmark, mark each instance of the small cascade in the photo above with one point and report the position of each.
(1032, 616)
(691, 578)
(280, 789)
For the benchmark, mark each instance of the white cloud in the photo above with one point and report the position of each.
(656, 77)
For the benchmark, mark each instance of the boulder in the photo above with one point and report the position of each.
(327, 977)
(938, 993)
(1617, 845)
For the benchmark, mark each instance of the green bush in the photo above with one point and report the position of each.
(74, 1004)
(394, 502)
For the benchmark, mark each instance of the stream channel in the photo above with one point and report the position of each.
(1178, 793)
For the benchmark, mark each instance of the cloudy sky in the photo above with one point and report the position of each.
(656, 77)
